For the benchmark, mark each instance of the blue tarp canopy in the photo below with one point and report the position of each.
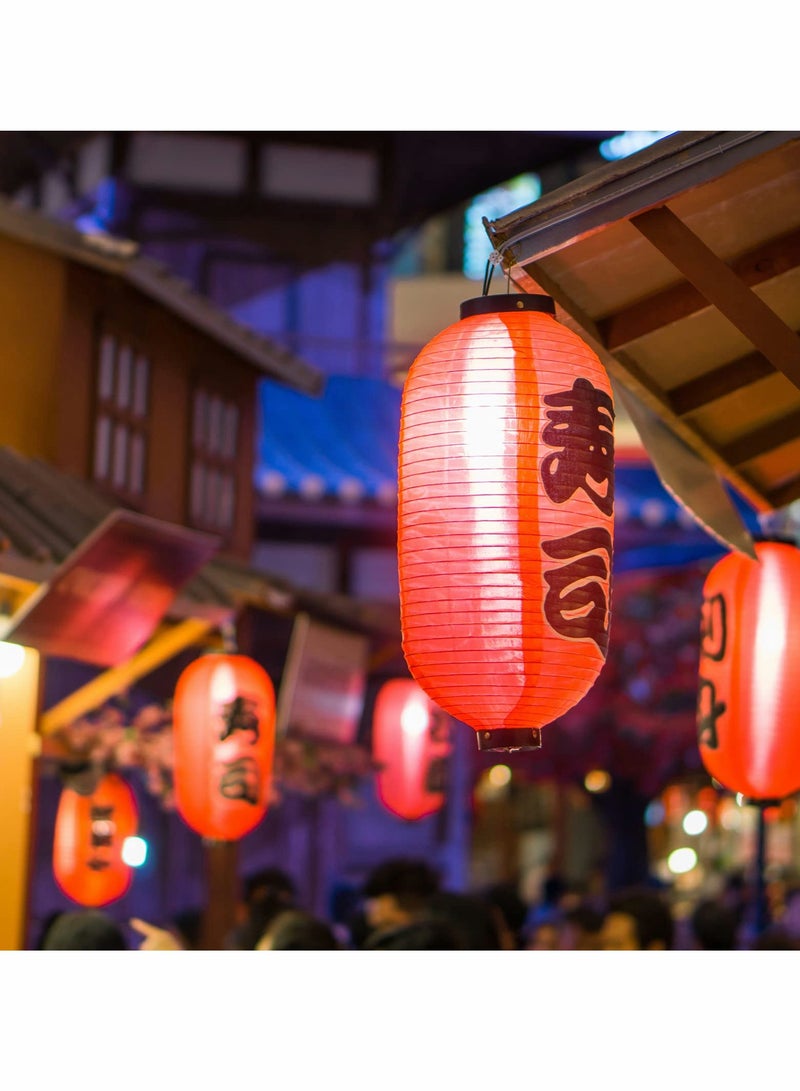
(342, 447)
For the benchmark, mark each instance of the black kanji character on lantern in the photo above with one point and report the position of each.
(241, 714)
(713, 628)
(102, 828)
(240, 781)
(95, 863)
(576, 604)
(709, 710)
(583, 430)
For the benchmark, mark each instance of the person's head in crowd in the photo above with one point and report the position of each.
(637, 919)
(510, 911)
(188, 925)
(296, 930)
(398, 892)
(471, 917)
(544, 935)
(265, 894)
(714, 926)
(581, 928)
(775, 938)
(84, 930)
(421, 935)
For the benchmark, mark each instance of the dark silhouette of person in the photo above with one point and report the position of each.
(637, 919)
(714, 926)
(471, 918)
(397, 903)
(296, 930)
(84, 930)
(265, 894)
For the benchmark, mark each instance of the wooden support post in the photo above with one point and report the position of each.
(19, 747)
(219, 916)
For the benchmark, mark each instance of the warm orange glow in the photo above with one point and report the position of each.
(224, 737)
(87, 843)
(597, 780)
(505, 520)
(749, 685)
(411, 744)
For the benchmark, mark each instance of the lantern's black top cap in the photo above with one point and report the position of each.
(494, 304)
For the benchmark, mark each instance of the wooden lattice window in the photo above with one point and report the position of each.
(212, 484)
(120, 431)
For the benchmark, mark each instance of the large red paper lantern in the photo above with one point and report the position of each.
(748, 702)
(411, 744)
(505, 518)
(87, 841)
(224, 741)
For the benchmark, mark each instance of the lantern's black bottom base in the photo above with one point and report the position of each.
(511, 738)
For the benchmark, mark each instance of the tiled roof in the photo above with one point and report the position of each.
(120, 257)
(45, 514)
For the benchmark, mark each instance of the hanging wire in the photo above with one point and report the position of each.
(487, 276)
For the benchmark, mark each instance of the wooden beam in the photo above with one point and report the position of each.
(682, 300)
(722, 287)
(761, 440)
(160, 649)
(715, 384)
(785, 493)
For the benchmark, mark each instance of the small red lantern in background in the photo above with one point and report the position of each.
(411, 743)
(224, 740)
(505, 518)
(90, 831)
(748, 702)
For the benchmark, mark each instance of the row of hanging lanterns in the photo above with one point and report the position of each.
(505, 549)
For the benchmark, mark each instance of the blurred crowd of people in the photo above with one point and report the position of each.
(402, 905)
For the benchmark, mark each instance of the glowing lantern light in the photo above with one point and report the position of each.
(90, 831)
(224, 739)
(748, 703)
(411, 743)
(505, 518)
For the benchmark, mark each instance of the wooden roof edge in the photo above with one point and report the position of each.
(122, 258)
(621, 189)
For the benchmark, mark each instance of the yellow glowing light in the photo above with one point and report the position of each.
(499, 776)
(597, 780)
(12, 656)
(682, 860)
(694, 822)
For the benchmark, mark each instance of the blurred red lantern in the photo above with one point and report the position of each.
(748, 701)
(224, 739)
(505, 518)
(87, 842)
(411, 743)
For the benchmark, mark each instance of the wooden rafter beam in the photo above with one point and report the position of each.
(682, 300)
(160, 649)
(720, 285)
(785, 493)
(726, 379)
(761, 440)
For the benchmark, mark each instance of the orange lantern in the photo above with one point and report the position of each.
(87, 843)
(411, 744)
(505, 518)
(224, 739)
(748, 701)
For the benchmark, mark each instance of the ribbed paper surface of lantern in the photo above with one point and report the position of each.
(505, 520)
(87, 841)
(748, 703)
(410, 744)
(224, 742)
